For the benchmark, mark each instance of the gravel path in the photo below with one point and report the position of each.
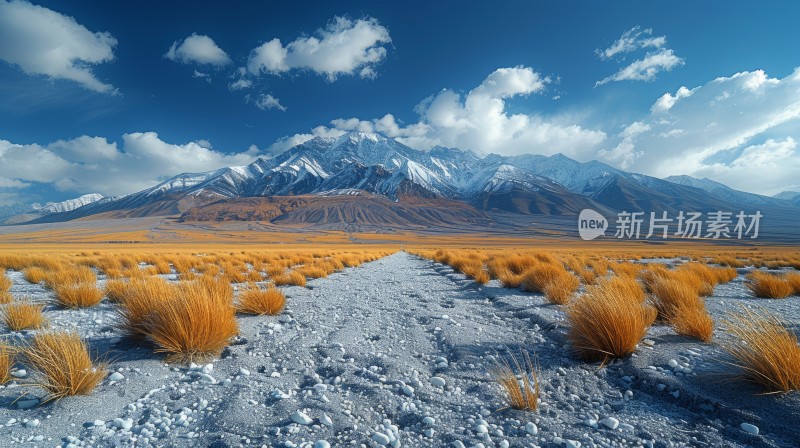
(397, 352)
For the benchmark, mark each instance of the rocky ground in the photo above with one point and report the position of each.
(398, 352)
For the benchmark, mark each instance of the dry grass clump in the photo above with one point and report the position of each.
(137, 298)
(766, 351)
(607, 323)
(292, 278)
(769, 286)
(82, 295)
(561, 288)
(728, 261)
(536, 278)
(63, 362)
(23, 315)
(725, 275)
(115, 289)
(255, 300)
(5, 297)
(34, 274)
(519, 380)
(627, 269)
(68, 276)
(680, 306)
(793, 278)
(628, 286)
(6, 362)
(5, 283)
(194, 324)
(312, 271)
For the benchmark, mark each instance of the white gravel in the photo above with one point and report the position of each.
(397, 353)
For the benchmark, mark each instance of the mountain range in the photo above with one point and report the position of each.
(362, 173)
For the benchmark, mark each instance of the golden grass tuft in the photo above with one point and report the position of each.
(766, 351)
(538, 277)
(5, 297)
(70, 275)
(255, 300)
(292, 278)
(679, 305)
(6, 362)
(64, 365)
(5, 282)
(793, 278)
(194, 324)
(519, 380)
(607, 323)
(561, 288)
(137, 299)
(82, 295)
(23, 315)
(769, 286)
(115, 289)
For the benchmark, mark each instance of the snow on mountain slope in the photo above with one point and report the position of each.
(725, 192)
(378, 165)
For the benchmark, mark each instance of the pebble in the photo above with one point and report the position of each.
(749, 428)
(672, 363)
(27, 404)
(428, 421)
(438, 381)
(20, 373)
(610, 422)
(245, 372)
(35, 422)
(301, 418)
(381, 438)
(322, 444)
(206, 378)
(326, 420)
(116, 376)
(531, 428)
(408, 390)
(124, 424)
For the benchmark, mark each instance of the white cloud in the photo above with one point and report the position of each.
(632, 40)
(646, 69)
(657, 60)
(12, 183)
(199, 49)
(740, 130)
(479, 121)
(44, 42)
(92, 164)
(344, 47)
(240, 84)
(666, 101)
(204, 76)
(266, 102)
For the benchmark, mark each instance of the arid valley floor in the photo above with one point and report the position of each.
(401, 351)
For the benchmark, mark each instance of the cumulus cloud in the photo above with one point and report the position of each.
(265, 102)
(655, 61)
(479, 121)
(732, 129)
(240, 84)
(197, 49)
(343, 47)
(41, 41)
(93, 164)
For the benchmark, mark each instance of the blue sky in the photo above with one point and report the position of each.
(93, 100)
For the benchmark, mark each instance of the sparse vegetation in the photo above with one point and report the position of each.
(606, 322)
(255, 300)
(6, 362)
(769, 286)
(680, 306)
(519, 380)
(63, 363)
(81, 295)
(23, 315)
(194, 324)
(765, 350)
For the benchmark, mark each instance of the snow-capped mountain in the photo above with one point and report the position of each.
(723, 191)
(378, 165)
(69, 204)
(20, 213)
